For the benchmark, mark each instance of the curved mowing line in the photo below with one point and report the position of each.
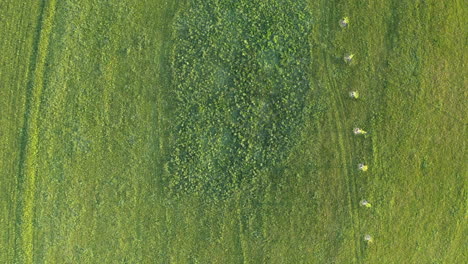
(375, 150)
(29, 141)
(20, 81)
(241, 237)
(346, 158)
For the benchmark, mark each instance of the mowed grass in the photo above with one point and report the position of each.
(151, 132)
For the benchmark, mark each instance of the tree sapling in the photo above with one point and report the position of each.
(365, 203)
(344, 22)
(363, 167)
(354, 94)
(348, 58)
(368, 238)
(358, 131)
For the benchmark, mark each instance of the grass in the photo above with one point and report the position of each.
(217, 132)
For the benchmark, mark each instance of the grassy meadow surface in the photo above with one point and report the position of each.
(153, 131)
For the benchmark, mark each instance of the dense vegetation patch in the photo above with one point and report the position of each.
(241, 71)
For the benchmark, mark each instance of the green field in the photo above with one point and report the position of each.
(217, 131)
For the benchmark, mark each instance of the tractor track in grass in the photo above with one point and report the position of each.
(342, 136)
(26, 181)
(16, 108)
(345, 156)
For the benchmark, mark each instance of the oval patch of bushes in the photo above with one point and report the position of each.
(240, 71)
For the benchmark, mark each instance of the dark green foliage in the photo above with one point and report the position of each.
(241, 72)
